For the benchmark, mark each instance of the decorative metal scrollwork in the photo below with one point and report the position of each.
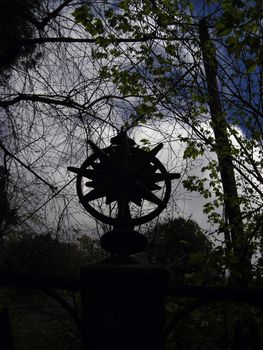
(124, 178)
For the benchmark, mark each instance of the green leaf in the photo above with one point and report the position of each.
(208, 207)
(170, 49)
(251, 65)
(192, 151)
(81, 14)
(197, 258)
(222, 27)
(145, 141)
(101, 41)
(232, 40)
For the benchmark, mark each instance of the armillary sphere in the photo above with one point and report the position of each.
(123, 175)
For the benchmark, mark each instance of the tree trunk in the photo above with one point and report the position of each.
(234, 231)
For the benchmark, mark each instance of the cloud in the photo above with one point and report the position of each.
(182, 202)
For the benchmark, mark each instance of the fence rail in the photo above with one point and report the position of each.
(249, 295)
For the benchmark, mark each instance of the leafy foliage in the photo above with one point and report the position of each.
(181, 246)
(8, 215)
(240, 25)
(39, 318)
(18, 21)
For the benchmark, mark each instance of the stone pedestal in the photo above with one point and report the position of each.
(123, 306)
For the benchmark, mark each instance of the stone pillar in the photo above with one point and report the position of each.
(123, 306)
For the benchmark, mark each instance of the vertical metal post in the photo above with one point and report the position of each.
(6, 338)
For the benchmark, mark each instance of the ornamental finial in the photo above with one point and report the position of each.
(127, 186)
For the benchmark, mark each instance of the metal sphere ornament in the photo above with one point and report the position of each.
(125, 178)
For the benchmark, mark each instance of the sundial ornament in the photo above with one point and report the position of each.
(124, 178)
